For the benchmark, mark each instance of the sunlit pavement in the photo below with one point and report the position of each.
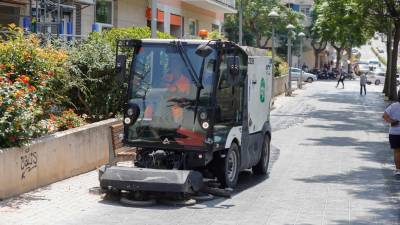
(331, 164)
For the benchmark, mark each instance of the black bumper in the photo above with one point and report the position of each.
(155, 180)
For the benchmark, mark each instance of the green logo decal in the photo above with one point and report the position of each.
(262, 90)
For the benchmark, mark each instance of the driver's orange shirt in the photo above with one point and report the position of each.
(179, 86)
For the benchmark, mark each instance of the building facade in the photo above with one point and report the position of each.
(306, 6)
(181, 18)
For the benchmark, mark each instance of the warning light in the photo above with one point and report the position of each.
(203, 34)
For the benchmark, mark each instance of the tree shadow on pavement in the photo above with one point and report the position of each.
(23, 199)
(374, 184)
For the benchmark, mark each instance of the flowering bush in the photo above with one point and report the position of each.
(68, 119)
(31, 86)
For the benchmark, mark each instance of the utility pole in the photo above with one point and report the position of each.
(301, 36)
(290, 28)
(273, 15)
(240, 23)
(153, 18)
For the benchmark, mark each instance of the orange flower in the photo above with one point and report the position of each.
(8, 74)
(18, 94)
(24, 79)
(1, 79)
(50, 73)
(2, 66)
(12, 67)
(31, 88)
(52, 117)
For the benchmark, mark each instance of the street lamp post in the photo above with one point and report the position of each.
(301, 36)
(240, 23)
(290, 28)
(154, 19)
(273, 16)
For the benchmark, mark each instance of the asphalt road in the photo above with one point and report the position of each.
(331, 164)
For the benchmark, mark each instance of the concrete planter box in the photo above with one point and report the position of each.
(54, 157)
(280, 84)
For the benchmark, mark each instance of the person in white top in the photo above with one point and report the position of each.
(392, 116)
(363, 82)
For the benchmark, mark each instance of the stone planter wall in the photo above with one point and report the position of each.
(280, 84)
(54, 157)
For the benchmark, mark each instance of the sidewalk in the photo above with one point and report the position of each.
(330, 164)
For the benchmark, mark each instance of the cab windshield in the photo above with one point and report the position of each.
(165, 92)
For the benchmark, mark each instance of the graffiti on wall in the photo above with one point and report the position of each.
(29, 160)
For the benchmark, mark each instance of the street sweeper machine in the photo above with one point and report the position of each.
(195, 109)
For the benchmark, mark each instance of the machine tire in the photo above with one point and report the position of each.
(262, 166)
(377, 82)
(310, 80)
(227, 168)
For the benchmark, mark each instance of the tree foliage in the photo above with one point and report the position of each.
(340, 23)
(257, 26)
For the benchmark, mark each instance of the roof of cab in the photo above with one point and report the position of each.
(189, 41)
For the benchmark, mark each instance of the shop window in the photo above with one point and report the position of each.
(306, 10)
(104, 11)
(192, 27)
(215, 27)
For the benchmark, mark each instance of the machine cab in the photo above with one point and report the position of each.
(184, 95)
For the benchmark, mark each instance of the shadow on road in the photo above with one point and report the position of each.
(365, 183)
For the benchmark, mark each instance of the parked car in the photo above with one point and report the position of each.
(378, 76)
(308, 77)
(373, 64)
(361, 67)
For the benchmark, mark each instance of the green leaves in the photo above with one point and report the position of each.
(257, 25)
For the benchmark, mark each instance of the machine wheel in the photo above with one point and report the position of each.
(227, 168)
(262, 166)
(310, 80)
(377, 82)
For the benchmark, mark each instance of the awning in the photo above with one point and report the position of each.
(160, 15)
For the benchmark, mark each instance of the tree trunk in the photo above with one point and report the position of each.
(389, 33)
(338, 57)
(316, 55)
(396, 39)
(386, 89)
(349, 58)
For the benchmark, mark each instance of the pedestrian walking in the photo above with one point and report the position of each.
(341, 78)
(363, 82)
(392, 116)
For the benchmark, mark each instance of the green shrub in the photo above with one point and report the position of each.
(281, 67)
(131, 33)
(216, 35)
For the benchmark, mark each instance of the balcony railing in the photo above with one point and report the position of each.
(229, 3)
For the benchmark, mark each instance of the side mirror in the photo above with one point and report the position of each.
(120, 67)
(204, 51)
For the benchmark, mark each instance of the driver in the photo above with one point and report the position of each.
(178, 87)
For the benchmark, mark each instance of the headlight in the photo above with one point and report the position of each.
(205, 125)
(127, 120)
